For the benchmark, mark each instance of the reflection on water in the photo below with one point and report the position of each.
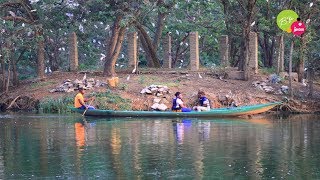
(69, 147)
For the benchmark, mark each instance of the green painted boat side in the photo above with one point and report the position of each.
(219, 112)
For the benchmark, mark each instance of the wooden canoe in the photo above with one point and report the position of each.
(219, 112)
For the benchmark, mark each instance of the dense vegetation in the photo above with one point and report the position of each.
(35, 34)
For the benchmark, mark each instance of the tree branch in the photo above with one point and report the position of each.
(17, 18)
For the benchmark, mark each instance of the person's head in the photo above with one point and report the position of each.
(201, 94)
(81, 90)
(178, 94)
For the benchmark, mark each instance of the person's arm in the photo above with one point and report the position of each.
(206, 103)
(88, 99)
(81, 102)
(180, 102)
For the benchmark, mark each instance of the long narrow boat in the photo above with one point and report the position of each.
(219, 112)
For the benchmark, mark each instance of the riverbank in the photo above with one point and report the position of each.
(221, 90)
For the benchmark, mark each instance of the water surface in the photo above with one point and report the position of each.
(61, 147)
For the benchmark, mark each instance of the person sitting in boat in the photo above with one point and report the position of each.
(177, 104)
(79, 100)
(204, 103)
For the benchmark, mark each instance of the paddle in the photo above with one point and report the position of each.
(87, 107)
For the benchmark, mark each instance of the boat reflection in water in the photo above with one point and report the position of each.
(183, 126)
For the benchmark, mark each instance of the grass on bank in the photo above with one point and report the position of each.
(103, 100)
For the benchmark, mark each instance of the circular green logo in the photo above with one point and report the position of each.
(285, 18)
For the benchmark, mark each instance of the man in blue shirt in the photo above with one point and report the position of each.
(204, 103)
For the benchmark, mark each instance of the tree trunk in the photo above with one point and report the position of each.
(300, 69)
(246, 68)
(281, 53)
(278, 54)
(310, 81)
(149, 47)
(53, 61)
(53, 53)
(145, 47)
(109, 68)
(40, 61)
(15, 80)
(8, 80)
(3, 85)
(271, 52)
(246, 34)
(160, 26)
(290, 69)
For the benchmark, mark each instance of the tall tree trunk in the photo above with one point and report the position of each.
(158, 33)
(109, 68)
(149, 47)
(3, 85)
(281, 53)
(15, 80)
(290, 69)
(53, 61)
(301, 61)
(150, 56)
(8, 80)
(246, 33)
(40, 61)
(145, 47)
(278, 54)
(271, 52)
(310, 81)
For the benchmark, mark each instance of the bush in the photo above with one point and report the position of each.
(60, 105)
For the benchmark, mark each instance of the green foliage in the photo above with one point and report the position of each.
(123, 86)
(267, 71)
(92, 21)
(110, 100)
(60, 105)
(41, 84)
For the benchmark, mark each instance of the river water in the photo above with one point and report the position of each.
(70, 147)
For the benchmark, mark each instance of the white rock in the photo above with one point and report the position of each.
(70, 90)
(148, 91)
(255, 83)
(263, 84)
(268, 89)
(161, 89)
(89, 85)
(98, 83)
(90, 80)
(143, 91)
(154, 90)
(156, 100)
(155, 106)
(162, 107)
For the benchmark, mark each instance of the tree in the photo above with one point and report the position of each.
(248, 13)
(22, 12)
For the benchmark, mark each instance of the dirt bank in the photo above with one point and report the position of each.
(221, 91)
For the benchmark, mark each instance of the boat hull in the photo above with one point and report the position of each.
(219, 112)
